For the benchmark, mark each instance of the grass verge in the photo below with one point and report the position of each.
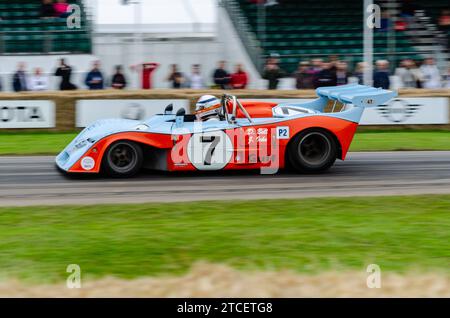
(401, 140)
(53, 143)
(309, 235)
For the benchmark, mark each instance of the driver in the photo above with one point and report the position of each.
(207, 108)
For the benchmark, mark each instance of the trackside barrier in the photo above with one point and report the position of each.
(65, 104)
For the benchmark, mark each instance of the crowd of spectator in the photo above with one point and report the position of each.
(334, 72)
(95, 78)
(310, 74)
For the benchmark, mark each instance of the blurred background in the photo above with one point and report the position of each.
(277, 44)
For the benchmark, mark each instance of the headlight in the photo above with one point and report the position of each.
(141, 127)
(83, 143)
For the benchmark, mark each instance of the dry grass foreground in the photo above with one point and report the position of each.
(206, 280)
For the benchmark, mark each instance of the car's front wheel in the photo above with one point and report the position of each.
(312, 151)
(123, 159)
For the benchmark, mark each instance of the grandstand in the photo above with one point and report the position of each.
(110, 32)
(299, 30)
(23, 31)
(197, 32)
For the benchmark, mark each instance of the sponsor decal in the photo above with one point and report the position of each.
(261, 138)
(263, 131)
(87, 163)
(262, 135)
(214, 150)
(283, 132)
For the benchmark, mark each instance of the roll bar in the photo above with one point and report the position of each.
(231, 118)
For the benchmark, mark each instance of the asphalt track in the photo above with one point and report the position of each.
(35, 181)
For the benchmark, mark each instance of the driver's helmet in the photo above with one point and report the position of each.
(207, 107)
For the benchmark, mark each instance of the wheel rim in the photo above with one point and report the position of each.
(314, 148)
(122, 157)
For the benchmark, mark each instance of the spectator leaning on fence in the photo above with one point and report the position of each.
(196, 80)
(65, 72)
(341, 73)
(408, 74)
(20, 79)
(175, 77)
(381, 74)
(315, 69)
(303, 76)
(221, 76)
(273, 73)
(359, 71)
(327, 76)
(430, 73)
(118, 80)
(146, 70)
(239, 79)
(94, 79)
(38, 81)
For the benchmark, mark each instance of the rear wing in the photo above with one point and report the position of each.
(358, 95)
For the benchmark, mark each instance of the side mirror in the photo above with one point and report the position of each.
(168, 110)
(179, 119)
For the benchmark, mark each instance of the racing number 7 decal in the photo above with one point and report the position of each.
(213, 141)
(210, 150)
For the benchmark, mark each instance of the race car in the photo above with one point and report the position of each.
(305, 137)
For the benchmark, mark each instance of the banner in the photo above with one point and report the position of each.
(409, 111)
(90, 110)
(27, 114)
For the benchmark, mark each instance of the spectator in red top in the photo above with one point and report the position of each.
(60, 8)
(444, 19)
(239, 79)
(146, 70)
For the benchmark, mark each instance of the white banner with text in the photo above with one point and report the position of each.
(27, 114)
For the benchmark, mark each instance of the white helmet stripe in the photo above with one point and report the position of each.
(207, 101)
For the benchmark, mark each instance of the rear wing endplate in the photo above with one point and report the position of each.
(358, 95)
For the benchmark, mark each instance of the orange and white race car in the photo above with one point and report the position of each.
(245, 135)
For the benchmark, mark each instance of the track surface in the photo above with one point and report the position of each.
(35, 181)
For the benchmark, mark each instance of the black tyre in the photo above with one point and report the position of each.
(312, 151)
(123, 159)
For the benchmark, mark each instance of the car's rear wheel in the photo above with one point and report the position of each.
(312, 151)
(123, 159)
